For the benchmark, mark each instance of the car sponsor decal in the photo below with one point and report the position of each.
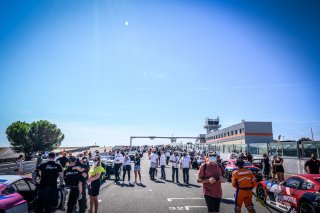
(3, 197)
(289, 199)
(3, 180)
(288, 191)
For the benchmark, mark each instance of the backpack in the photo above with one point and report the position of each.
(205, 167)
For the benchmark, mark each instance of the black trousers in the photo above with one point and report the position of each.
(175, 171)
(163, 172)
(126, 169)
(47, 199)
(185, 172)
(168, 160)
(83, 201)
(73, 197)
(117, 166)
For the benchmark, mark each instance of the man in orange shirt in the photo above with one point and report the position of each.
(244, 181)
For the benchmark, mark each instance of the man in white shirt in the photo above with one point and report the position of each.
(163, 159)
(168, 156)
(174, 160)
(185, 163)
(118, 159)
(154, 163)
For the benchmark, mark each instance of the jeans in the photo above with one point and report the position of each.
(185, 175)
(175, 170)
(117, 166)
(163, 172)
(126, 168)
(168, 160)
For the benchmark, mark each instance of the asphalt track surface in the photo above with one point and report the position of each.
(162, 196)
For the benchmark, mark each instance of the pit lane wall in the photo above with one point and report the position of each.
(294, 153)
(291, 165)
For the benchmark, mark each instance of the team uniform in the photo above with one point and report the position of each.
(48, 192)
(244, 181)
(72, 179)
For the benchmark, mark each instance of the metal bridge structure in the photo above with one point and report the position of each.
(172, 138)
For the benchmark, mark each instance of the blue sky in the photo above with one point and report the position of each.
(106, 70)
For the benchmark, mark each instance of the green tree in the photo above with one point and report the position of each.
(45, 135)
(304, 139)
(31, 138)
(17, 134)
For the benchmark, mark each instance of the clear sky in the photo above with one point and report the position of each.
(106, 70)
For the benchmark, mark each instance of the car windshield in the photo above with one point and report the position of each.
(107, 157)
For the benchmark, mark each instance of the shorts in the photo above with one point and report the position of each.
(136, 168)
(94, 188)
(213, 203)
(279, 169)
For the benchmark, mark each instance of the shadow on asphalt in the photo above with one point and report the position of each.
(127, 185)
(142, 185)
(158, 181)
(227, 201)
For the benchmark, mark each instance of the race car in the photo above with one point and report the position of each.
(230, 167)
(18, 194)
(298, 193)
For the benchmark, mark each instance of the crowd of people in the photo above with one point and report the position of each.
(82, 180)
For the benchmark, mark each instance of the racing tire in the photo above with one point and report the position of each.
(261, 193)
(306, 207)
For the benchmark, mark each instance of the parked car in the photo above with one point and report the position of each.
(257, 162)
(107, 161)
(230, 167)
(298, 193)
(18, 194)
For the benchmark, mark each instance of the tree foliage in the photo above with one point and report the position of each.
(31, 138)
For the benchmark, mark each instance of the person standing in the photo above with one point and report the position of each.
(94, 183)
(211, 176)
(249, 157)
(312, 166)
(63, 160)
(118, 159)
(278, 168)
(244, 181)
(47, 189)
(185, 165)
(266, 166)
(19, 165)
(154, 158)
(174, 160)
(82, 166)
(126, 168)
(73, 180)
(163, 162)
(137, 168)
(167, 156)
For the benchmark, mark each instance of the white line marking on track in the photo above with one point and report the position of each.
(188, 207)
(196, 198)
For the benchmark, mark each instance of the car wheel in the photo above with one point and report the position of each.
(261, 193)
(306, 207)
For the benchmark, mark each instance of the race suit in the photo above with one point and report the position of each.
(244, 181)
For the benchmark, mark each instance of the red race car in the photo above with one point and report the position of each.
(298, 193)
(230, 167)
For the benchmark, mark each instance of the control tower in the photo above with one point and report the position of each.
(212, 125)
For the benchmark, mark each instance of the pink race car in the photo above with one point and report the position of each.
(17, 194)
